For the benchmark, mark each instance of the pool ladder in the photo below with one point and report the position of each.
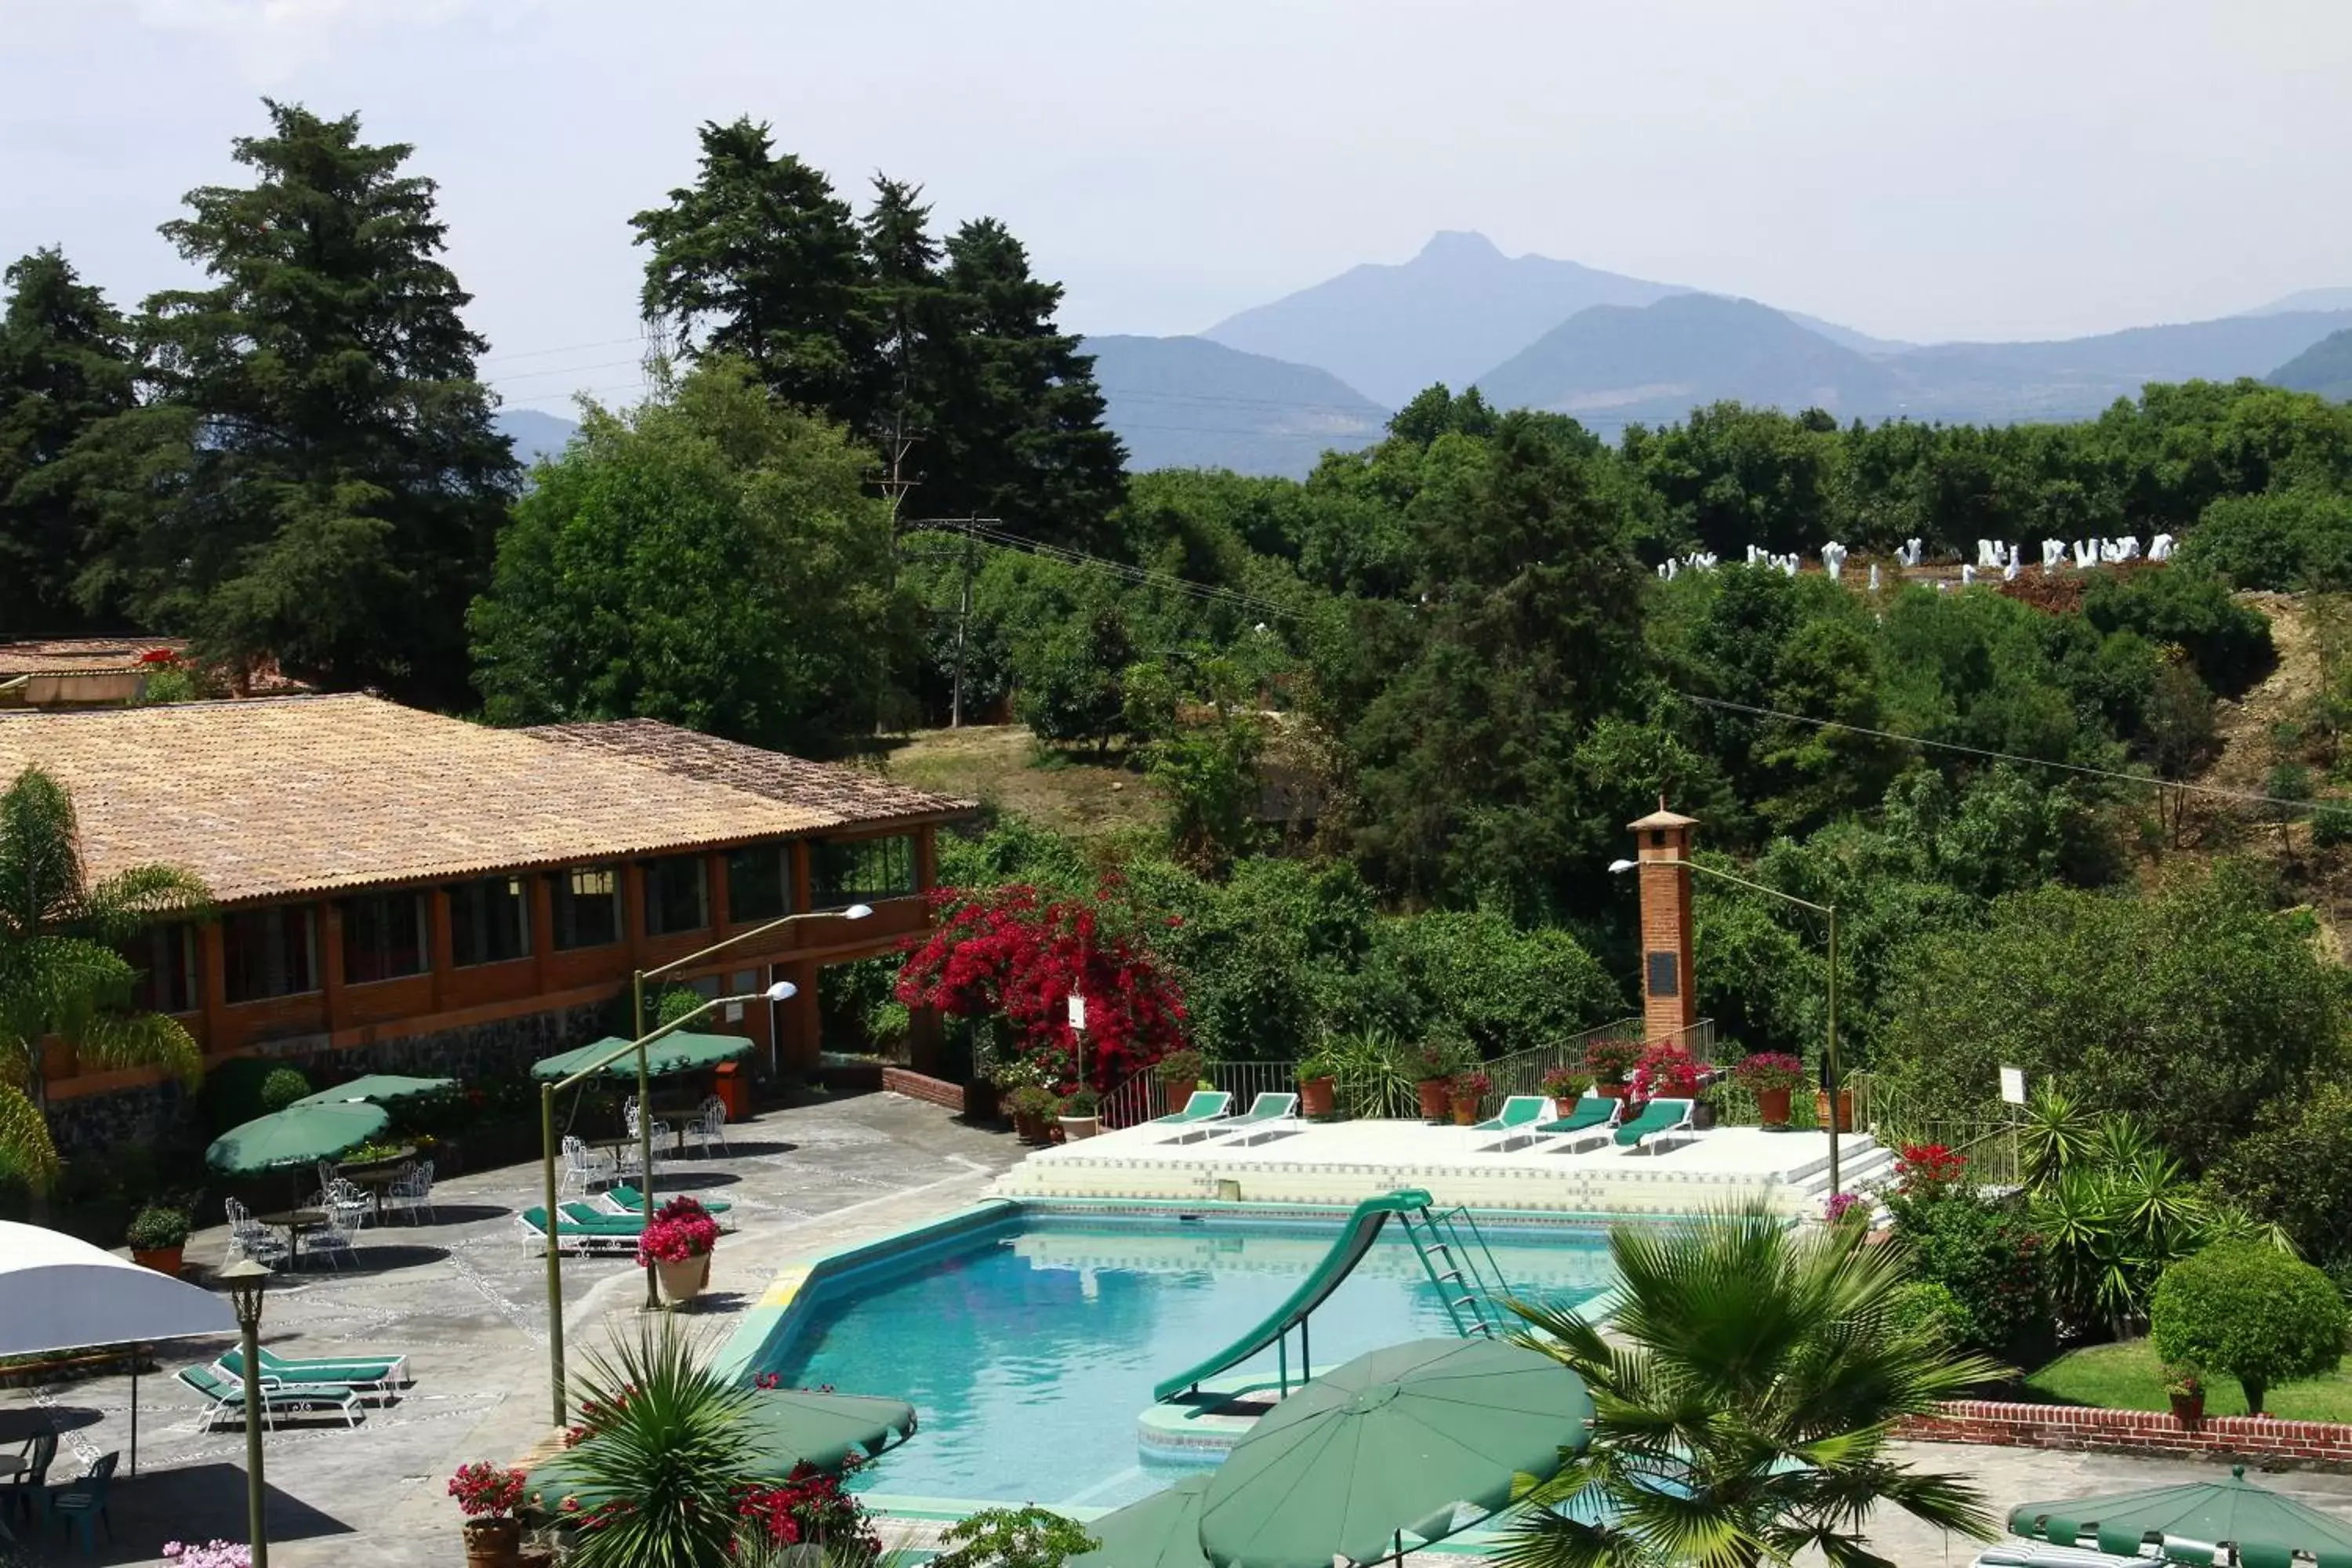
(1452, 1248)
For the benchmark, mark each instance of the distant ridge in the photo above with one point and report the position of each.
(2326, 368)
(536, 434)
(1190, 403)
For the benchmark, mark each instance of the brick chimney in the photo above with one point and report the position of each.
(1669, 1001)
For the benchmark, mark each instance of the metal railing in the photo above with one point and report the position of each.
(1523, 1072)
(1143, 1097)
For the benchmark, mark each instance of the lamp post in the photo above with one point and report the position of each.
(1829, 912)
(782, 991)
(246, 1279)
(637, 1018)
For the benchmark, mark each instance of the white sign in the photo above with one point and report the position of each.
(1077, 1011)
(2012, 1085)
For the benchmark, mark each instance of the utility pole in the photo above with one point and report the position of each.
(963, 623)
(894, 491)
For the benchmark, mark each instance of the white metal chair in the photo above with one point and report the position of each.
(660, 1135)
(248, 1237)
(584, 1167)
(412, 1191)
(334, 1239)
(709, 1124)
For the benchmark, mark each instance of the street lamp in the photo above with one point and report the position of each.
(246, 1279)
(782, 991)
(1836, 1074)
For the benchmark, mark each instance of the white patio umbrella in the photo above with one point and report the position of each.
(59, 1294)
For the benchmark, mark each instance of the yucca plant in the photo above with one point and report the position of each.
(1744, 1401)
(2058, 1133)
(665, 1457)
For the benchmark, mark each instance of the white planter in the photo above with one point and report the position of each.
(1077, 1127)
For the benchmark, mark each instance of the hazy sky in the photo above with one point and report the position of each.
(1918, 169)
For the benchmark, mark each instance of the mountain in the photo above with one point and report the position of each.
(2326, 368)
(535, 433)
(1612, 365)
(1190, 403)
(1846, 337)
(1459, 308)
(2307, 299)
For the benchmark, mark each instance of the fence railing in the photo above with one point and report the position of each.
(1522, 1072)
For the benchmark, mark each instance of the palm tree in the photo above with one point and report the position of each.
(1743, 1399)
(61, 975)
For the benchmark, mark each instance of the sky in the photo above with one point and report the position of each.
(1918, 169)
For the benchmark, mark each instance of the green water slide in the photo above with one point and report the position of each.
(1355, 1241)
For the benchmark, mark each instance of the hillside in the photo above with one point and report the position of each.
(1190, 403)
(535, 433)
(2326, 367)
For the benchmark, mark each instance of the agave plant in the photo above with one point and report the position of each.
(665, 1457)
(2058, 1134)
(1744, 1403)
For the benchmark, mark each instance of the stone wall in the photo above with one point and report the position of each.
(2257, 1439)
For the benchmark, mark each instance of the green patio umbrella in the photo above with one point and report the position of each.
(789, 1427)
(684, 1051)
(2265, 1529)
(1389, 1444)
(293, 1138)
(1163, 1530)
(380, 1088)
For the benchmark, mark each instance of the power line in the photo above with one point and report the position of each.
(2223, 791)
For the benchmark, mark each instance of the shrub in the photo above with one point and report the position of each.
(1986, 1254)
(1013, 1538)
(1611, 1059)
(281, 1089)
(2250, 1311)
(2295, 1170)
(156, 1228)
(1665, 1070)
(2229, 644)
(1927, 1309)
(1180, 1067)
(1033, 1100)
(1081, 1103)
(1769, 1070)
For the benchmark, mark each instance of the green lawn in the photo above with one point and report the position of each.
(2128, 1377)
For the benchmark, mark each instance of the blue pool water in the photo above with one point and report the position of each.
(1029, 1348)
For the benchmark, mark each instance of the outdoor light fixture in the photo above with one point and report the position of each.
(856, 912)
(783, 991)
(1619, 868)
(246, 1279)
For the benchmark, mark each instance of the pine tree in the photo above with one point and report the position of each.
(65, 365)
(913, 316)
(316, 477)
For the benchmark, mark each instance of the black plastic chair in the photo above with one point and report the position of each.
(30, 1484)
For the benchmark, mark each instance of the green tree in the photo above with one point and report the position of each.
(709, 558)
(61, 973)
(65, 365)
(315, 477)
(1071, 687)
(2295, 1170)
(1745, 1398)
(1206, 772)
(2250, 1313)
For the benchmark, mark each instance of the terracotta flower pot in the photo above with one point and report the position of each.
(162, 1259)
(2189, 1409)
(1434, 1099)
(1846, 1109)
(1465, 1109)
(1318, 1097)
(683, 1280)
(1772, 1107)
(494, 1543)
(1032, 1127)
(1610, 1090)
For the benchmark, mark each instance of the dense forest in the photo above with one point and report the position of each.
(1458, 635)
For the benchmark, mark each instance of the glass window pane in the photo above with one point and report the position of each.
(490, 920)
(676, 898)
(165, 957)
(270, 953)
(384, 937)
(759, 883)
(587, 901)
(861, 869)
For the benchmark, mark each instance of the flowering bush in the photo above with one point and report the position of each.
(1609, 1060)
(211, 1554)
(1565, 1083)
(1011, 953)
(1470, 1086)
(1843, 1206)
(484, 1490)
(683, 1229)
(1929, 1170)
(810, 1506)
(1769, 1070)
(1665, 1069)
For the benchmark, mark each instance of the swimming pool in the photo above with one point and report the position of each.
(1030, 1345)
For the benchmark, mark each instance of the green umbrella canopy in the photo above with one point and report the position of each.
(789, 1427)
(296, 1136)
(1390, 1443)
(381, 1088)
(681, 1052)
(2267, 1529)
(1162, 1530)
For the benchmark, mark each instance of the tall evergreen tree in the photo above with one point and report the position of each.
(317, 478)
(65, 365)
(759, 259)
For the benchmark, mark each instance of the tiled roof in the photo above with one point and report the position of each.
(855, 795)
(294, 795)
(80, 655)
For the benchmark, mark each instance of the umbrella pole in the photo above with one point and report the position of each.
(134, 1409)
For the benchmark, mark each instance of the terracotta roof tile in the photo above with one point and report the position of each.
(80, 655)
(292, 795)
(855, 796)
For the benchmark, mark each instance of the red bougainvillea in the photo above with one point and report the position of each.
(1666, 1071)
(1015, 956)
(1929, 1170)
(808, 1509)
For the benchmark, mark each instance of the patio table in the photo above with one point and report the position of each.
(378, 1175)
(294, 1222)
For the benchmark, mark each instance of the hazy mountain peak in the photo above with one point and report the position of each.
(1459, 244)
(2307, 300)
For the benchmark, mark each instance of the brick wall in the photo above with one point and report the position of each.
(916, 1085)
(2288, 1444)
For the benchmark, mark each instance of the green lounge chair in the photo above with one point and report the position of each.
(1591, 1121)
(225, 1397)
(626, 1199)
(1270, 1115)
(1661, 1121)
(1206, 1105)
(1517, 1121)
(599, 1233)
(371, 1374)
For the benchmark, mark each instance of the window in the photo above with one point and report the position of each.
(759, 882)
(270, 953)
(383, 937)
(165, 957)
(677, 897)
(861, 869)
(587, 901)
(489, 921)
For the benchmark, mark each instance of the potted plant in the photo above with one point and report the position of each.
(1469, 1091)
(489, 1495)
(677, 1246)
(1664, 1071)
(2184, 1387)
(157, 1236)
(1771, 1077)
(1434, 1062)
(1033, 1107)
(1318, 1093)
(1564, 1085)
(1844, 1108)
(1178, 1073)
(1080, 1112)
(1609, 1061)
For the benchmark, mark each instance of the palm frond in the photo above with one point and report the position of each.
(113, 1041)
(26, 1152)
(117, 907)
(670, 1449)
(40, 855)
